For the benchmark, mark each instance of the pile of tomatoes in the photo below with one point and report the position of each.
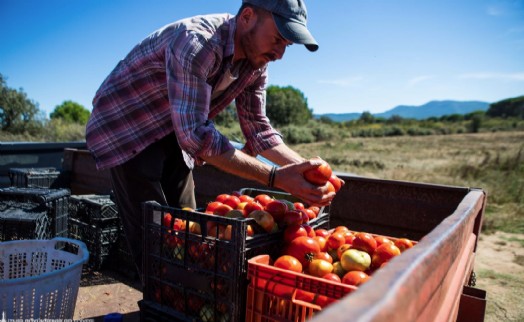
(338, 255)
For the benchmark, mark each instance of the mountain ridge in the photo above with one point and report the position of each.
(436, 108)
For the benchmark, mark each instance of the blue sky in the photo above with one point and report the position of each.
(373, 56)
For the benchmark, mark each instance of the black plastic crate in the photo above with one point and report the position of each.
(56, 202)
(185, 271)
(23, 221)
(121, 259)
(33, 177)
(99, 210)
(100, 241)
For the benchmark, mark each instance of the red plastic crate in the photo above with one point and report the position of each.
(276, 294)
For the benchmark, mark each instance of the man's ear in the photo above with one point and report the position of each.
(247, 17)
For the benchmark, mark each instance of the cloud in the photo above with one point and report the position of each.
(415, 80)
(342, 82)
(495, 76)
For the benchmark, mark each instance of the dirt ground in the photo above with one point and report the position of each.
(499, 268)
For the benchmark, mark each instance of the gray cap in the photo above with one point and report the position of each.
(290, 17)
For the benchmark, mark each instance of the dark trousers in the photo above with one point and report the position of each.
(158, 173)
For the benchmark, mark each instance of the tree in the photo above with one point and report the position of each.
(70, 111)
(287, 105)
(511, 107)
(227, 117)
(366, 117)
(18, 114)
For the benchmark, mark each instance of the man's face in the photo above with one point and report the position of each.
(263, 43)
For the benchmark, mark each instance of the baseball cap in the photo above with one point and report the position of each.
(290, 17)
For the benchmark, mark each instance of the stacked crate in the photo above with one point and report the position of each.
(23, 221)
(54, 202)
(33, 177)
(94, 220)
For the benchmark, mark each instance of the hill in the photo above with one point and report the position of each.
(430, 109)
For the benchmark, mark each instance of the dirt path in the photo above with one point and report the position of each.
(499, 267)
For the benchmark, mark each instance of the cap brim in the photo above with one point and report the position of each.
(295, 32)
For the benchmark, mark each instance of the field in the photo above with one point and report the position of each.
(491, 161)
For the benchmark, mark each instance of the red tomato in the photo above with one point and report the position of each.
(293, 231)
(310, 213)
(355, 278)
(324, 256)
(335, 240)
(222, 210)
(319, 175)
(315, 209)
(336, 182)
(232, 201)
(403, 244)
(332, 277)
(252, 206)
(246, 198)
(383, 254)
(383, 240)
(365, 242)
(310, 231)
(330, 187)
(167, 220)
(263, 199)
(299, 205)
(292, 217)
(342, 249)
(302, 248)
(221, 198)
(277, 209)
(212, 206)
(288, 262)
(321, 242)
(322, 232)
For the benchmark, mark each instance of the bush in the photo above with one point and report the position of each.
(297, 134)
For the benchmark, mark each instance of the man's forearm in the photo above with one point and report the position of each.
(282, 155)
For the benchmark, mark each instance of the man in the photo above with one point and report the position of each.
(152, 116)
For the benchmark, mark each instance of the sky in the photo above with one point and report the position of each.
(374, 54)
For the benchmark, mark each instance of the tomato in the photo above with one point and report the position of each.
(210, 208)
(330, 187)
(288, 262)
(336, 182)
(293, 231)
(342, 249)
(319, 267)
(305, 216)
(338, 269)
(252, 206)
(383, 240)
(167, 220)
(332, 277)
(349, 237)
(315, 209)
(264, 219)
(321, 242)
(221, 198)
(263, 199)
(232, 201)
(355, 278)
(310, 213)
(310, 231)
(341, 228)
(292, 217)
(324, 256)
(322, 232)
(246, 198)
(303, 248)
(383, 254)
(299, 205)
(403, 244)
(319, 175)
(365, 242)
(222, 210)
(335, 240)
(277, 209)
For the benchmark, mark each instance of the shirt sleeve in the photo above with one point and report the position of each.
(255, 125)
(189, 61)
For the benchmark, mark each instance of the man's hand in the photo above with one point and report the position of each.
(290, 178)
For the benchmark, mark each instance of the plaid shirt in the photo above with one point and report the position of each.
(165, 84)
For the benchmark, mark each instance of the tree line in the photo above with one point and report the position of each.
(286, 107)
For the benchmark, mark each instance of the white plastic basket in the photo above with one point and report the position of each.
(39, 279)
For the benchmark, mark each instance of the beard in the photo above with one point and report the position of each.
(252, 52)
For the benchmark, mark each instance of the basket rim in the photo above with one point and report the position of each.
(82, 258)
